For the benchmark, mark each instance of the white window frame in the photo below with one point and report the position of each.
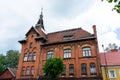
(67, 53)
(114, 74)
(86, 51)
(50, 54)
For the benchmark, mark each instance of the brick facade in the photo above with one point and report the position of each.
(80, 45)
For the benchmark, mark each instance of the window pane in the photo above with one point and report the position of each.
(71, 69)
(32, 70)
(25, 57)
(84, 69)
(33, 56)
(86, 51)
(67, 53)
(23, 71)
(50, 54)
(29, 57)
(28, 71)
(92, 69)
(112, 74)
(30, 45)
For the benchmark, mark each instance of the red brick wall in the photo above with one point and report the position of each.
(58, 49)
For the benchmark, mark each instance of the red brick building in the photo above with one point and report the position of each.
(77, 47)
(8, 74)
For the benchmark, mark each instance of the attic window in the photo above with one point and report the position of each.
(67, 37)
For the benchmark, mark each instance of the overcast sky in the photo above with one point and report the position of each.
(17, 17)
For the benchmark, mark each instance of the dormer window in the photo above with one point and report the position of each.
(68, 37)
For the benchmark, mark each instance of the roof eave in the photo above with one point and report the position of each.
(68, 41)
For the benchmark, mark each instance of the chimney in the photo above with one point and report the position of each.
(94, 29)
(114, 50)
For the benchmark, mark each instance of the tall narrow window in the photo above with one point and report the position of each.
(25, 57)
(84, 69)
(23, 71)
(29, 57)
(28, 70)
(64, 71)
(50, 54)
(67, 53)
(31, 45)
(33, 56)
(92, 69)
(71, 69)
(32, 70)
(86, 51)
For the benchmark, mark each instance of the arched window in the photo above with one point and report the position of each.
(23, 71)
(25, 57)
(67, 53)
(92, 69)
(86, 51)
(83, 69)
(34, 56)
(32, 70)
(28, 70)
(50, 54)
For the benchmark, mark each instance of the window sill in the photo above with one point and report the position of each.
(29, 61)
(87, 57)
(67, 58)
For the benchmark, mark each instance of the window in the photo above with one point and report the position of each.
(30, 45)
(112, 74)
(28, 70)
(29, 57)
(92, 69)
(32, 70)
(25, 57)
(64, 71)
(33, 56)
(71, 69)
(23, 71)
(67, 53)
(84, 69)
(68, 37)
(50, 54)
(86, 51)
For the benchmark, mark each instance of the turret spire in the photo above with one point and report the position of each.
(40, 21)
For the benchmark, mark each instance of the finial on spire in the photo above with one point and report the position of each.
(40, 21)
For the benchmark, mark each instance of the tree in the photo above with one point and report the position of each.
(2, 63)
(12, 58)
(117, 5)
(110, 47)
(9, 60)
(53, 67)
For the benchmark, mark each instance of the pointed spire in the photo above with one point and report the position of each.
(40, 21)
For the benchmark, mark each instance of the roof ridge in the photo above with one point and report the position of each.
(65, 30)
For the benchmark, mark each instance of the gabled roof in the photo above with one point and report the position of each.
(13, 71)
(34, 30)
(78, 33)
(112, 58)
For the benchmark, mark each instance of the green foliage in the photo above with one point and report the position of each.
(117, 6)
(2, 68)
(53, 67)
(2, 62)
(10, 60)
